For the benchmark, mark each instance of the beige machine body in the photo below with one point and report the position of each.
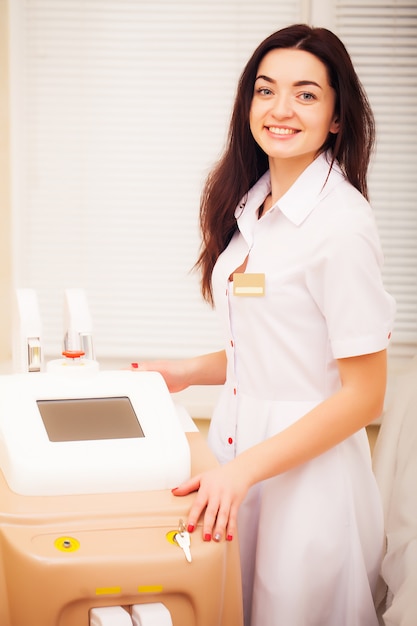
(63, 557)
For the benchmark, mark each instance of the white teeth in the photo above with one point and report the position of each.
(282, 131)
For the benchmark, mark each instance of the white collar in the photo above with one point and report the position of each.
(313, 184)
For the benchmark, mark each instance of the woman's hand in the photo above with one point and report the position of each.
(207, 369)
(220, 493)
(174, 372)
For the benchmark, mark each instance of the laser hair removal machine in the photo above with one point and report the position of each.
(90, 533)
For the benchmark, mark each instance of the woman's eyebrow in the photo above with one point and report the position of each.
(298, 83)
(303, 83)
(265, 78)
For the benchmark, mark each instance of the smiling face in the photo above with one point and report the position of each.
(293, 106)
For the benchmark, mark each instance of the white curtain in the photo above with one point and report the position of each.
(382, 40)
(119, 109)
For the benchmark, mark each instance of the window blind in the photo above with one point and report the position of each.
(382, 40)
(119, 109)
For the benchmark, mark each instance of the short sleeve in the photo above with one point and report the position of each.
(346, 284)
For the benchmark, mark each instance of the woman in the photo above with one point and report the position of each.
(291, 259)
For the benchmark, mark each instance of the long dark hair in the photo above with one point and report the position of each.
(243, 161)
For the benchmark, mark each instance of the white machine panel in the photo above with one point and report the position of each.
(114, 431)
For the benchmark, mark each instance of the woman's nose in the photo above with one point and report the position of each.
(283, 106)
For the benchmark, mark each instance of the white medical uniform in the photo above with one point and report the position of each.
(312, 538)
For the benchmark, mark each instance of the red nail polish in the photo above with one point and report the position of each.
(207, 537)
(135, 365)
(229, 538)
(190, 528)
(174, 489)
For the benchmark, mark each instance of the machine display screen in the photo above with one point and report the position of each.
(88, 419)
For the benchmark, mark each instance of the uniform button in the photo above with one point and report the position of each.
(235, 391)
(230, 441)
(389, 335)
(231, 343)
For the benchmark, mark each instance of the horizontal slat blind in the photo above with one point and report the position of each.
(382, 39)
(120, 108)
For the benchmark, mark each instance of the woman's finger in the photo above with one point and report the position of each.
(210, 519)
(222, 521)
(187, 487)
(231, 529)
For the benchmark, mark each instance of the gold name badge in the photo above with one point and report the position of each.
(248, 284)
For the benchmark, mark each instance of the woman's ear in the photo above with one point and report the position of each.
(334, 126)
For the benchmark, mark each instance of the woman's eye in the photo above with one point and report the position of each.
(264, 91)
(307, 97)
